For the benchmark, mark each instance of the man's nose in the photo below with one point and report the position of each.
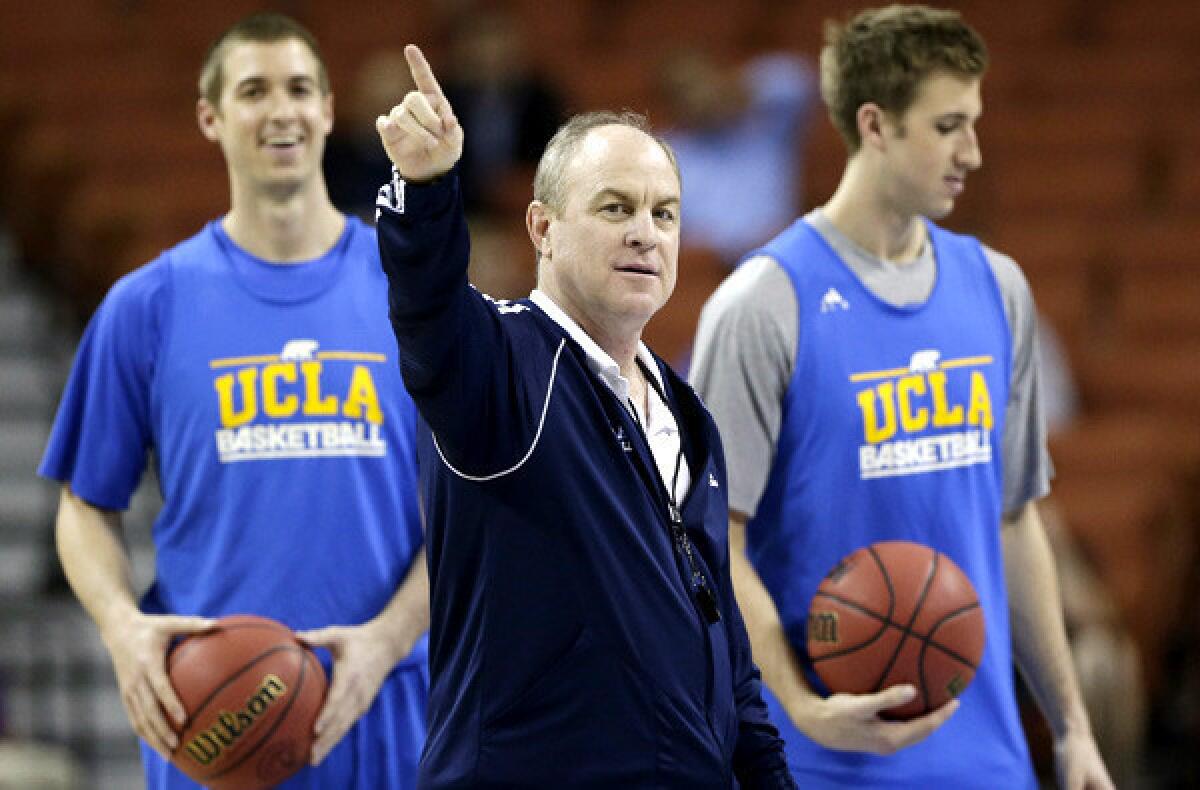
(969, 155)
(280, 105)
(640, 233)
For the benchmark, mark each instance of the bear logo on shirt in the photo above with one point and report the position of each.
(924, 361)
(298, 350)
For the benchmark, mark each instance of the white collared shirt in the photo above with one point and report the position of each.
(662, 432)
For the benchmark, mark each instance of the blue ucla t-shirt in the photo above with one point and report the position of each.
(271, 398)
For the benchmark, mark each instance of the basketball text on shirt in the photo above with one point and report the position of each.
(910, 414)
(262, 402)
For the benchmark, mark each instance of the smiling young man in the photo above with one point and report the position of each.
(583, 628)
(254, 361)
(874, 378)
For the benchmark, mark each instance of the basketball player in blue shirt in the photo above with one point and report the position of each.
(873, 378)
(255, 363)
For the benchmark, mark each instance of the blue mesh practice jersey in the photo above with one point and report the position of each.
(892, 428)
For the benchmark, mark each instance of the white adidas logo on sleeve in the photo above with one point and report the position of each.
(832, 300)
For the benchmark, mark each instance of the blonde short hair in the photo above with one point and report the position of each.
(265, 28)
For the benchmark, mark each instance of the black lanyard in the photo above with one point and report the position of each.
(705, 597)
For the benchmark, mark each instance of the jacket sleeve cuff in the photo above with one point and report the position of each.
(416, 200)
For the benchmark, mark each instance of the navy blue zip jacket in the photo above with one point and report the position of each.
(567, 644)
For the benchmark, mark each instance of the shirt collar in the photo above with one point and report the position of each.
(598, 359)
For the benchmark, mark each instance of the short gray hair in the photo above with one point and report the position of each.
(549, 183)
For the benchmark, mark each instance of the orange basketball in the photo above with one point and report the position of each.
(252, 693)
(897, 612)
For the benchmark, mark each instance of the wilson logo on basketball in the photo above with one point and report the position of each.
(210, 744)
(823, 627)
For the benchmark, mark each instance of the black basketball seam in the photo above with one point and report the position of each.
(308, 657)
(929, 641)
(268, 625)
(233, 676)
(278, 719)
(885, 619)
(951, 654)
(927, 638)
(906, 630)
(887, 580)
(860, 645)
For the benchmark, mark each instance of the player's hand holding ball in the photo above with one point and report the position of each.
(896, 632)
(252, 692)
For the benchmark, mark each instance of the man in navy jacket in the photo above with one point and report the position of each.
(584, 628)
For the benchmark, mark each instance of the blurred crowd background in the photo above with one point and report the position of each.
(1091, 180)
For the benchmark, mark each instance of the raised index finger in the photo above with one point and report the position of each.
(422, 74)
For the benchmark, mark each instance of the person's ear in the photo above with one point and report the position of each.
(871, 119)
(327, 112)
(537, 221)
(207, 118)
